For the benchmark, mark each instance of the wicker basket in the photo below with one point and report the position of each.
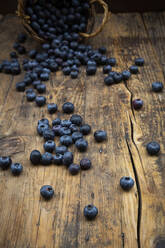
(26, 19)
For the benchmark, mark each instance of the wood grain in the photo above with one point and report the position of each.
(132, 220)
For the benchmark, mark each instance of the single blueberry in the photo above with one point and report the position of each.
(85, 129)
(137, 104)
(52, 108)
(126, 183)
(126, 75)
(100, 135)
(85, 164)
(157, 86)
(49, 146)
(31, 96)
(47, 192)
(109, 80)
(61, 149)
(74, 169)
(46, 158)
(48, 134)
(56, 122)
(81, 145)
(43, 120)
(107, 69)
(139, 61)
(16, 169)
(74, 128)
(76, 119)
(68, 158)
(5, 162)
(66, 140)
(90, 212)
(20, 86)
(41, 128)
(35, 157)
(58, 159)
(66, 123)
(68, 107)
(76, 136)
(153, 148)
(134, 69)
(41, 88)
(40, 101)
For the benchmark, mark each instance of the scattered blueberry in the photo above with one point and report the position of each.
(137, 104)
(52, 108)
(134, 69)
(126, 183)
(153, 148)
(90, 212)
(68, 107)
(66, 140)
(68, 158)
(85, 129)
(48, 134)
(16, 169)
(76, 119)
(109, 80)
(126, 75)
(81, 145)
(139, 61)
(40, 101)
(157, 86)
(49, 146)
(47, 192)
(85, 164)
(100, 135)
(5, 162)
(46, 158)
(74, 169)
(58, 159)
(35, 157)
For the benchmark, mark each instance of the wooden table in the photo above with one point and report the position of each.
(131, 220)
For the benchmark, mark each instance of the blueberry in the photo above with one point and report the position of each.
(85, 129)
(139, 61)
(58, 159)
(47, 192)
(41, 88)
(134, 69)
(157, 86)
(74, 74)
(16, 169)
(52, 108)
(31, 96)
(90, 212)
(91, 63)
(81, 145)
(74, 128)
(57, 130)
(66, 70)
(100, 135)
(107, 69)
(36, 83)
(126, 183)
(91, 70)
(13, 55)
(66, 123)
(30, 90)
(76, 136)
(66, 140)
(109, 80)
(68, 158)
(5, 162)
(64, 131)
(41, 128)
(137, 104)
(48, 134)
(74, 169)
(40, 101)
(61, 149)
(117, 77)
(46, 158)
(56, 122)
(126, 75)
(32, 54)
(43, 120)
(20, 86)
(68, 107)
(21, 50)
(85, 164)
(44, 76)
(76, 119)
(35, 157)
(153, 148)
(111, 61)
(49, 146)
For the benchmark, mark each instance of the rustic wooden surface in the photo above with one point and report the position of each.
(131, 220)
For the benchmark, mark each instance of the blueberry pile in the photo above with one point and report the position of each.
(67, 132)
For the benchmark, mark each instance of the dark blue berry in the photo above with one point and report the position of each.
(13, 55)
(66, 70)
(49, 146)
(41, 88)
(20, 86)
(109, 80)
(61, 149)
(139, 61)
(66, 140)
(21, 38)
(35, 157)
(68, 158)
(74, 74)
(91, 70)
(76, 136)
(31, 96)
(58, 159)
(5, 162)
(40, 101)
(74, 128)
(90, 212)
(126, 183)
(36, 83)
(56, 122)
(111, 61)
(117, 77)
(100, 135)
(81, 145)
(46, 158)
(85, 164)
(74, 169)
(85, 129)
(66, 123)
(43, 120)
(32, 54)
(48, 134)
(107, 69)
(47, 192)
(44, 76)
(76, 119)
(137, 104)
(41, 128)
(102, 50)
(153, 148)
(157, 86)
(16, 169)
(126, 75)
(134, 69)
(68, 107)
(30, 90)
(65, 131)
(52, 108)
